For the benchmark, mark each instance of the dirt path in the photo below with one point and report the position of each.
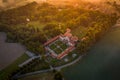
(9, 52)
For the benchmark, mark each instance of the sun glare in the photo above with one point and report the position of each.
(67, 0)
(93, 0)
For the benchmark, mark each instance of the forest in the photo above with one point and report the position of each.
(33, 24)
(88, 25)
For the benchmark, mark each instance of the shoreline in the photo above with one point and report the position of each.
(49, 70)
(11, 50)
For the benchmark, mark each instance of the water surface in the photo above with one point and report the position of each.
(9, 52)
(102, 61)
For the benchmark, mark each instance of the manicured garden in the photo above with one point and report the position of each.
(52, 46)
(58, 51)
(63, 46)
(58, 46)
(58, 42)
(55, 62)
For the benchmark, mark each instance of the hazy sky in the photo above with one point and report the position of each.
(5, 3)
(11, 2)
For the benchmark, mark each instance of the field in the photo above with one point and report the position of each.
(9, 52)
(79, 32)
(44, 76)
(36, 24)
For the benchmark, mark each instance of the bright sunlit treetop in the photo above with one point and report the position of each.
(92, 0)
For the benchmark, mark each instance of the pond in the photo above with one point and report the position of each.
(9, 52)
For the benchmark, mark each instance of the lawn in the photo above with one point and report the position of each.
(64, 46)
(79, 32)
(42, 65)
(43, 76)
(56, 47)
(36, 24)
(53, 46)
(61, 44)
(55, 62)
(58, 51)
(13, 66)
(69, 56)
(58, 42)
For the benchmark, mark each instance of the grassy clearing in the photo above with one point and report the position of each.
(12, 67)
(43, 76)
(53, 61)
(70, 57)
(42, 65)
(79, 32)
(36, 24)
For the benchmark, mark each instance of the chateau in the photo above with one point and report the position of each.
(67, 39)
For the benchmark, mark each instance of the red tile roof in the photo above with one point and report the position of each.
(51, 40)
(60, 56)
(74, 38)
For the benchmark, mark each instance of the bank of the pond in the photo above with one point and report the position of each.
(102, 61)
(9, 52)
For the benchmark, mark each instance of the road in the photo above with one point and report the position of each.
(47, 70)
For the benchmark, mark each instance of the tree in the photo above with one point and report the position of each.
(41, 49)
(58, 76)
(50, 26)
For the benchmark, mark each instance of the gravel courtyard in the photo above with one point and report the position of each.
(9, 52)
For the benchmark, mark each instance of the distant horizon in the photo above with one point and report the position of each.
(4, 3)
(8, 4)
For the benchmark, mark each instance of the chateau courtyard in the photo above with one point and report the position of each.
(61, 45)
